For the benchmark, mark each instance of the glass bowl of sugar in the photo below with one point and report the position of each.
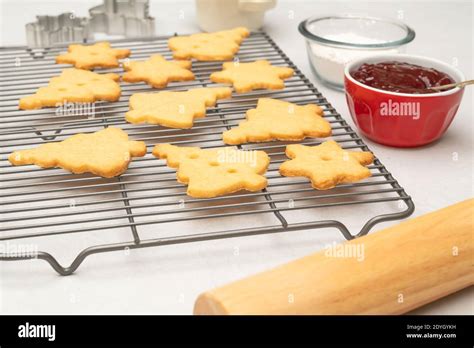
(333, 41)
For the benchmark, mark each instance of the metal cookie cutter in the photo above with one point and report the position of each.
(122, 17)
(129, 18)
(48, 30)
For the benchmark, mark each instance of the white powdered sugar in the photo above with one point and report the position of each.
(329, 61)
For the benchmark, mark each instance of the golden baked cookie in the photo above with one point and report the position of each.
(216, 172)
(174, 109)
(279, 120)
(106, 153)
(326, 165)
(74, 86)
(221, 45)
(157, 71)
(249, 76)
(99, 55)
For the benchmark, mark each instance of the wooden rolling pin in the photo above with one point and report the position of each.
(403, 267)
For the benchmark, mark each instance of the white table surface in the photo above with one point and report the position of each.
(168, 279)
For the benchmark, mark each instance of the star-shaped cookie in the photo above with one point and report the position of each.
(249, 76)
(221, 45)
(174, 109)
(326, 165)
(99, 55)
(106, 153)
(279, 120)
(216, 172)
(74, 86)
(157, 71)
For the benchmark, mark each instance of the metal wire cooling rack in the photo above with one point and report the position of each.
(51, 204)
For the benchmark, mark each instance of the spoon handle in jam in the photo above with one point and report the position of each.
(452, 85)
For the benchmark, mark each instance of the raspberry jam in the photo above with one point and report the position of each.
(401, 77)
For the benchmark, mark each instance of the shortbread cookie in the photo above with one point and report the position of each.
(157, 71)
(174, 109)
(99, 55)
(279, 120)
(221, 45)
(249, 76)
(216, 172)
(106, 153)
(74, 86)
(326, 165)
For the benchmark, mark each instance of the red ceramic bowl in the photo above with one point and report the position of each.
(401, 119)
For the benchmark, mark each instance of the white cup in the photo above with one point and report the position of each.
(215, 15)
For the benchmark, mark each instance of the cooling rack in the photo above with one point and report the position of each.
(50, 204)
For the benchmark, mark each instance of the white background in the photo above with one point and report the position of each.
(168, 279)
